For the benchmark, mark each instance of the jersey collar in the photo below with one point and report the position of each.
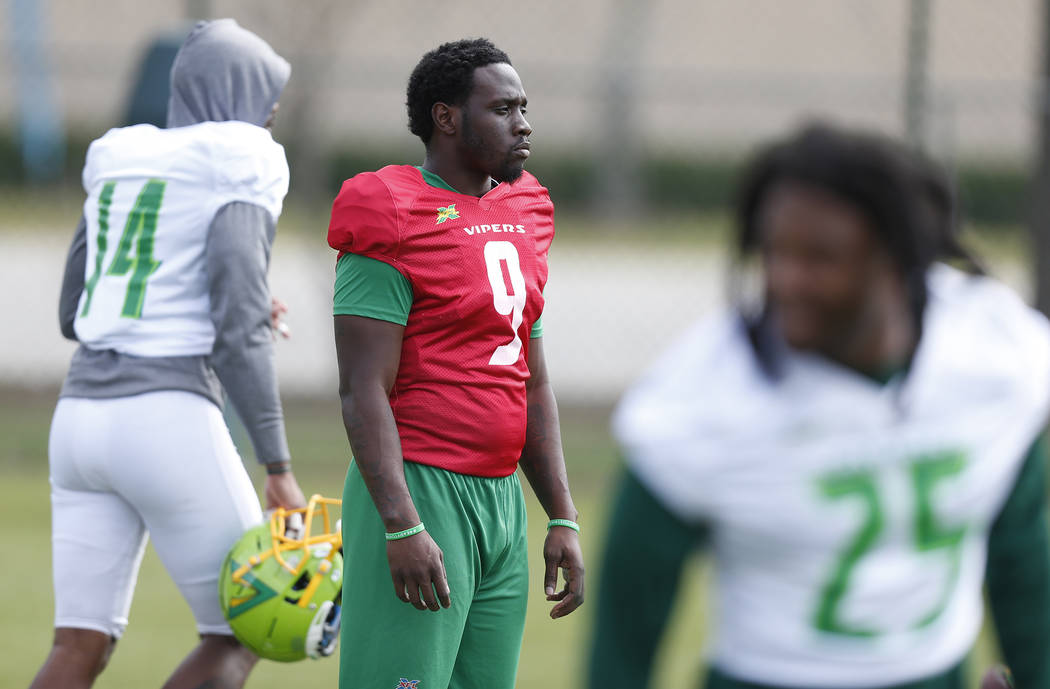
(434, 180)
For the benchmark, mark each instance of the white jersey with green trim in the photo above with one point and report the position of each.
(849, 519)
(151, 197)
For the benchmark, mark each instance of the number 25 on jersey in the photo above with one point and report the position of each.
(139, 229)
(929, 534)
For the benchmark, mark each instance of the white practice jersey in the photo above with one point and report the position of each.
(849, 519)
(151, 197)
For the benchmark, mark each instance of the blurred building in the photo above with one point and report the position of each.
(680, 74)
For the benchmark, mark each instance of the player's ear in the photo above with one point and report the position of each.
(445, 118)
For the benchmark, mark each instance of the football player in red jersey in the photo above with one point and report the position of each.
(444, 388)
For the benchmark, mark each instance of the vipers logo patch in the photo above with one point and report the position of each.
(449, 212)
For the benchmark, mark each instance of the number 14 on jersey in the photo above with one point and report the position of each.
(141, 225)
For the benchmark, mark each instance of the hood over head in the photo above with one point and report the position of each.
(225, 72)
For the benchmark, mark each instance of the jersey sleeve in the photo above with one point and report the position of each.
(97, 157)
(365, 220)
(236, 255)
(371, 288)
(1018, 574)
(679, 445)
(73, 281)
(90, 172)
(537, 329)
(629, 627)
(250, 167)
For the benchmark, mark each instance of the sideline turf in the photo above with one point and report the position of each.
(161, 628)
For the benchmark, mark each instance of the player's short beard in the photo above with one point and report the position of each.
(509, 169)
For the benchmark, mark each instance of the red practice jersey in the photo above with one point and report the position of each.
(477, 267)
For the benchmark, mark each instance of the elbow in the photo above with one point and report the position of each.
(68, 331)
(67, 314)
(345, 391)
(348, 400)
(364, 383)
(539, 391)
(365, 397)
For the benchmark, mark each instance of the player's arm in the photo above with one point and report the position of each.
(1018, 574)
(645, 549)
(368, 351)
(73, 281)
(237, 255)
(372, 301)
(543, 464)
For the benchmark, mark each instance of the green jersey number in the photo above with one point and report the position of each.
(929, 534)
(139, 231)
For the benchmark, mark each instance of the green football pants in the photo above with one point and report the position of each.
(479, 524)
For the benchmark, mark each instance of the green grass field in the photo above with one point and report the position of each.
(161, 628)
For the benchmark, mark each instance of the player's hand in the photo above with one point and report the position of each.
(417, 567)
(562, 551)
(277, 310)
(282, 490)
(998, 677)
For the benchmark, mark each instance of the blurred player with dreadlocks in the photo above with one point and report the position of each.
(858, 451)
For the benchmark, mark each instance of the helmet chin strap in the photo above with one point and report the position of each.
(323, 635)
(330, 631)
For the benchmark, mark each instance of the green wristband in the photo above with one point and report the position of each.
(398, 535)
(564, 522)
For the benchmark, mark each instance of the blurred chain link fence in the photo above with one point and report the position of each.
(639, 108)
(696, 75)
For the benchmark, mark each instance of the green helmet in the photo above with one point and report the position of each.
(280, 586)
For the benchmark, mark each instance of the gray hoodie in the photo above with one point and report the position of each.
(222, 72)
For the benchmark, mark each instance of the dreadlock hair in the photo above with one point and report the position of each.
(905, 197)
(941, 206)
(446, 75)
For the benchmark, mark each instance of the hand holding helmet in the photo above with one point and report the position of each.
(280, 587)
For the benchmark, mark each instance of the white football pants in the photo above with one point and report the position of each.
(158, 465)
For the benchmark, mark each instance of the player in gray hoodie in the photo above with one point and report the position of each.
(169, 313)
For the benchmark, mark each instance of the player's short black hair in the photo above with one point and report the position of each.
(446, 75)
(907, 198)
